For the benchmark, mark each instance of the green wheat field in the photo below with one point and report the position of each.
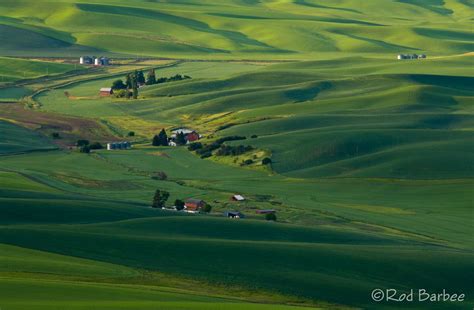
(371, 158)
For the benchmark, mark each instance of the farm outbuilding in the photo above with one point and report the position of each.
(237, 198)
(234, 214)
(265, 211)
(118, 146)
(106, 91)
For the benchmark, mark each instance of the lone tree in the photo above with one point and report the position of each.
(161, 139)
(179, 204)
(180, 138)
(118, 84)
(151, 77)
(160, 199)
(271, 217)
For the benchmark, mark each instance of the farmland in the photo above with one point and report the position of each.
(370, 167)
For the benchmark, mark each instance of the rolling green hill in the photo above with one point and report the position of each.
(371, 171)
(257, 29)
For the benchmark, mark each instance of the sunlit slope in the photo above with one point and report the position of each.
(262, 29)
(12, 69)
(346, 124)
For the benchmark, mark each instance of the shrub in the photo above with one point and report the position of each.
(96, 146)
(122, 93)
(160, 175)
(254, 136)
(118, 84)
(82, 143)
(226, 150)
(207, 208)
(55, 135)
(179, 204)
(85, 149)
(266, 161)
(131, 133)
(206, 155)
(195, 146)
(271, 217)
(248, 162)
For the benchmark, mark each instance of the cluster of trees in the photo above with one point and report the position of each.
(160, 139)
(151, 78)
(205, 150)
(86, 147)
(129, 89)
(230, 150)
(160, 198)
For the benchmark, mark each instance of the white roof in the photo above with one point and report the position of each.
(105, 89)
(239, 197)
(183, 130)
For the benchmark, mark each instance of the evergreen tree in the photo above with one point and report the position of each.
(151, 77)
(134, 87)
(163, 137)
(128, 81)
(140, 77)
(160, 199)
(180, 138)
(160, 139)
(156, 141)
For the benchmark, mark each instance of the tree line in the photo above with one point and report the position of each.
(133, 80)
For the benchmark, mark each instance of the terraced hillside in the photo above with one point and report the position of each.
(370, 170)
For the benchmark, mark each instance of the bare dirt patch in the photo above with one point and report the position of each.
(70, 128)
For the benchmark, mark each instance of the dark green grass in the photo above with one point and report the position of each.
(304, 267)
(16, 139)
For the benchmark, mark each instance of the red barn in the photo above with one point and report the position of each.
(192, 136)
(194, 204)
(106, 91)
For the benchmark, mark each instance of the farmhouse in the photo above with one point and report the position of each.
(118, 146)
(106, 91)
(194, 205)
(237, 198)
(190, 135)
(265, 211)
(234, 214)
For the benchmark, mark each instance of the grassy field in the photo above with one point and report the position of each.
(371, 174)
